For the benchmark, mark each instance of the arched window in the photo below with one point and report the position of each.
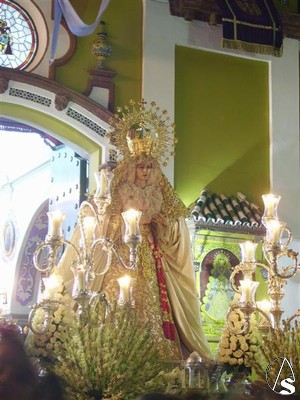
(23, 35)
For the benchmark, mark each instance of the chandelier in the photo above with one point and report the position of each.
(275, 246)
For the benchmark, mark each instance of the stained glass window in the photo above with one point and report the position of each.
(18, 37)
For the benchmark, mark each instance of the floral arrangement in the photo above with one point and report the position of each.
(236, 350)
(276, 345)
(103, 353)
(41, 346)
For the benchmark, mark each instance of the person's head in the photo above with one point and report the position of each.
(50, 387)
(17, 376)
(144, 170)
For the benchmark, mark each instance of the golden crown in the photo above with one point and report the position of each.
(140, 145)
(137, 130)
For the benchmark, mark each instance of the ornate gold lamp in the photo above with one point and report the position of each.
(275, 246)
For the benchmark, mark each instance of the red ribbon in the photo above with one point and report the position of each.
(169, 328)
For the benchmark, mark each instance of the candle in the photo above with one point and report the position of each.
(248, 288)
(271, 202)
(102, 183)
(275, 230)
(81, 278)
(89, 224)
(52, 284)
(265, 306)
(125, 285)
(55, 223)
(248, 251)
(131, 219)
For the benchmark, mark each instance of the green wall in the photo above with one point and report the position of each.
(123, 19)
(222, 123)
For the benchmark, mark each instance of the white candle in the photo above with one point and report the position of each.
(52, 283)
(81, 278)
(55, 223)
(271, 202)
(265, 306)
(102, 183)
(248, 251)
(275, 230)
(89, 224)
(248, 288)
(125, 284)
(132, 218)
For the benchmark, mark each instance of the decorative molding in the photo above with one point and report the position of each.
(3, 84)
(27, 95)
(57, 89)
(61, 101)
(102, 78)
(208, 11)
(83, 119)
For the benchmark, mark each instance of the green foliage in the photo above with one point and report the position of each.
(107, 353)
(283, 342)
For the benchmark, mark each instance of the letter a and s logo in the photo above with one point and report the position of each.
(280, 376)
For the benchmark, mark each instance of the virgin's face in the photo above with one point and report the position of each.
(143, 171)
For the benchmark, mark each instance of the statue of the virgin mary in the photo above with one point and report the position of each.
(164, 288)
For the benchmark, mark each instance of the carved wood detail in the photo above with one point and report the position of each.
(102, 78)
(61, 101)
(3, 84)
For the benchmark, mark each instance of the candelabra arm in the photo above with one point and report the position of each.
(236, 270)
(247, 268)
(273, 254)
(108, 247)
(49, 306)
(88, 205)
(100, 297)
(267, 322)
(133, 243)
(75, 249)
(53, 245)
(290, 319)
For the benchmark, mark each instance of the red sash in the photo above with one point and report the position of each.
(169, 328)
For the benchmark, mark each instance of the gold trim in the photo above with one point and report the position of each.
(249, 24)
(252, 47)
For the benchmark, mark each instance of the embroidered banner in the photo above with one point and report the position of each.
(251, 25)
